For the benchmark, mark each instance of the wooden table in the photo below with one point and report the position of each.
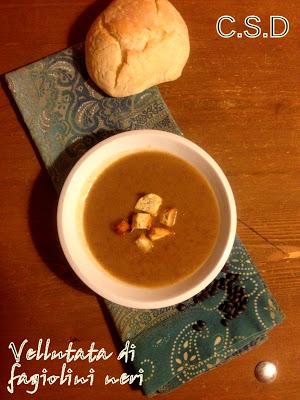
(239, 100)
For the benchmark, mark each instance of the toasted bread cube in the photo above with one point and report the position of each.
(159, 233)
(141, 221)
(149, 203)
(168, 217)
(144, 243)
(122, 227)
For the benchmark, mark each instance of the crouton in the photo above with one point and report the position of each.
(149, 203)
(168, 217)
(159, 233)
(144, 243)
(122, 227)
(141, 221)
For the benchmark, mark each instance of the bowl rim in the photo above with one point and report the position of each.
(117, 298)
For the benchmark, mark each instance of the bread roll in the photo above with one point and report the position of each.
(136, 44)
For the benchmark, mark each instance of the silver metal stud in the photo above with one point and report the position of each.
(266, 372)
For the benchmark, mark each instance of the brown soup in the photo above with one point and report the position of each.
(113, 196)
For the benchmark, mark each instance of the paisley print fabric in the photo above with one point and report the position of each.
(66, 115)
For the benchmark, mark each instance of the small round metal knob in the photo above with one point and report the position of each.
(265, 372)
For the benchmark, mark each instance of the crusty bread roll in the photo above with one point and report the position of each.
(135, 44)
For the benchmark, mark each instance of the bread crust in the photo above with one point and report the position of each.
(136, 44)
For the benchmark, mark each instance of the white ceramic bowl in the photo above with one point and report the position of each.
(70, 219)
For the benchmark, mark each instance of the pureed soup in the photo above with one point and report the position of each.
(151, 219)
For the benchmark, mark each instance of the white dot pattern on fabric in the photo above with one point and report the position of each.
(151, 367)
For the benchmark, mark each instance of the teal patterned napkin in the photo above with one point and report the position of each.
(66, 115)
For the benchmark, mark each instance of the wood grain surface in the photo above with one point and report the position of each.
(239, 100)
